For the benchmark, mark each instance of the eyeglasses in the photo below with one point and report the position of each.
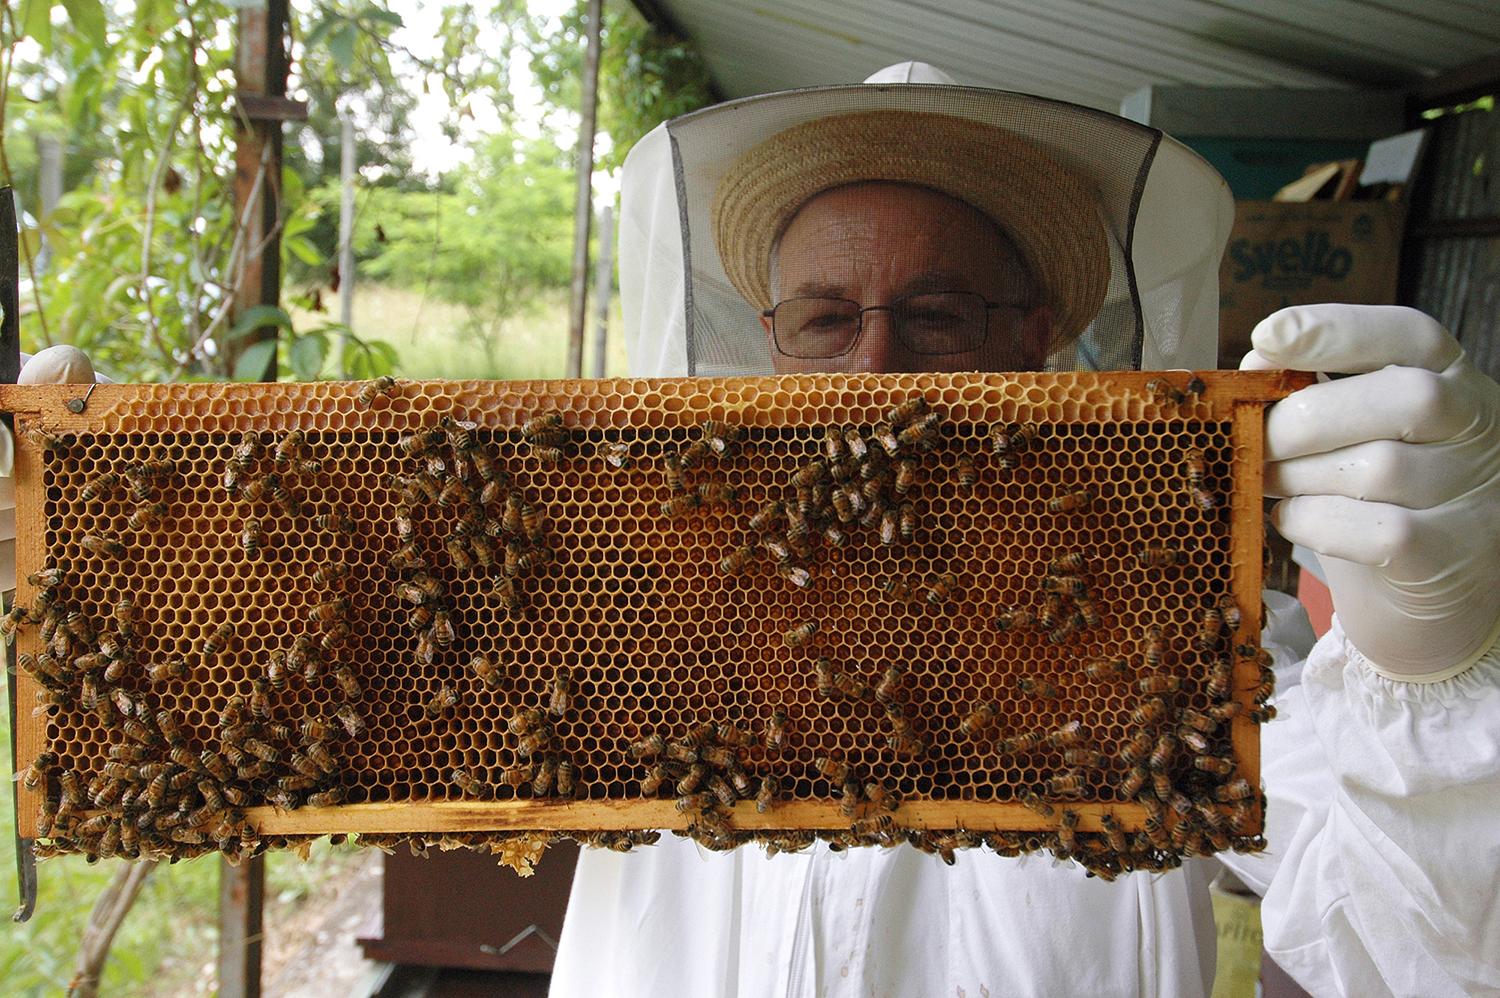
(931, 324)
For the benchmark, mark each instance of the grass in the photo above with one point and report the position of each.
(167, 944)
(436, 339)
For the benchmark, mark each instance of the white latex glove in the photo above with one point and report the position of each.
(1393, 477)
(59, 365)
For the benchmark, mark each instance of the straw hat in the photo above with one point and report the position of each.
(1049, 213)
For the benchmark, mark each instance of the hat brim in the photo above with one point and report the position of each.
(1050, 214)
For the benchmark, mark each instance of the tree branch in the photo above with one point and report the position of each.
(104, 921)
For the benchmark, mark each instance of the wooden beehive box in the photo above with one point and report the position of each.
(617, 582)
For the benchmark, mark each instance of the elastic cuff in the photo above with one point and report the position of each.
(1485, 648)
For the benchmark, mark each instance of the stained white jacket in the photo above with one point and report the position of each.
(1382, 877)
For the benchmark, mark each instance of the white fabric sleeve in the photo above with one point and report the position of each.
(1382, 873)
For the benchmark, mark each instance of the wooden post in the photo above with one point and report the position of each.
(260, 80)
(583, 205)
(602, 285)
(346, 235)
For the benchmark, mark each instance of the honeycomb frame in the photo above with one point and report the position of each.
(706, 634)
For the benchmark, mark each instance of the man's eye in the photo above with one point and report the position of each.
(932, 318)
(826, 322)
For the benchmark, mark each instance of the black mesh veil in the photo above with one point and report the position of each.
(1128, 266)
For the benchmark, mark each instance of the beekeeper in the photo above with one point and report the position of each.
(824, 229)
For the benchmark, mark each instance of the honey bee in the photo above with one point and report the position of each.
(1149, 711)
(339, 522)
(1069, 784)
(468, 782)
(1067, 832)
(526, 721)
(1210, 629)
(103, 545)
(858, 449)
(529, 744)
(1213, 764)
(716, 494)
(1038, 687)
(835, 771)
(1159, 556)
(692, 779)
(1009, 443)
(1114, 834)
(941, 589)
(332, 797)
(1153, 647)
(656, 779)
(350, 719)
(1220, 675)
(826, 674)
(148, 517)
(452, 492)
(1070, 733)
(1017, 744)
(1161, 389)
(253, 537)
(330, 611)
(1230, 611)
(218, 640)
(1137, 750)
(505, 591)
(923, 433)
(100, 486)
(737, 560)
(1105, 669)
(890, 683)
(46, 439)
(680, 505)
(848, 686)
(1225, 711)
(546, 426)
(720, 436)
(801, 634)
(290, 448)
(776, 730)
(487, 670)
(1162, 753)
(1240, 789)
(884, 435)
(567, 777)
(348, 684)
(905, 743)
(372, 390)
(889, 527)
(1028, 797)
(1088, 614)
(1199, 721)
(1158, 684)
(544, 778)
(1161, 785)
(1071, 502)
(978, 719)
(968, 474)
(908, 522)
(1134, 781)
(12, 620)
(1013, 618)
(562, 691)
(445, 699)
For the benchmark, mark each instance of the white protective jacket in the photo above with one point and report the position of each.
(1382, 811)
(1383, 795)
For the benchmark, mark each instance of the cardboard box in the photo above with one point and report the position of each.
(1283, 254)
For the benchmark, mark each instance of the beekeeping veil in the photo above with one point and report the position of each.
(1120, 227)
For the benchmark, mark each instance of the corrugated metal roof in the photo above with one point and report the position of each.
(1092, 52)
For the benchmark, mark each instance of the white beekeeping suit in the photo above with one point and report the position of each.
(1383, 767)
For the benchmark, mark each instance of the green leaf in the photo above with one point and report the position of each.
(306, 356)
(341, 44)
(253, 362)
(303, 250)
(320, 30)
(36, 22)
(382, 16)
(88, 18)
(257, 316)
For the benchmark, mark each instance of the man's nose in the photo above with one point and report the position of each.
(879, 350)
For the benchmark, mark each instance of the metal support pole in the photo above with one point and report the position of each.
(49, 153)
(242, 891)
(602, 285)
(346, 235)
(583, 204)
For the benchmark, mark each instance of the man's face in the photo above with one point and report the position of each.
(875, 242)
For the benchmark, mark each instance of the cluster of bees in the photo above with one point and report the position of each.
(156, 796)
(858, 482)
(159, 795)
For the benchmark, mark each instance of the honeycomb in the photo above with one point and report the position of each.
(488, 612)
